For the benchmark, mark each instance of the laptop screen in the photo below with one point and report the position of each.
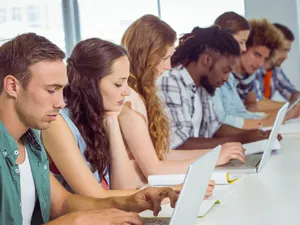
(274, 133)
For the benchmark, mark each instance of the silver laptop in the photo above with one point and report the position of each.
(254, 163)
(192, 192)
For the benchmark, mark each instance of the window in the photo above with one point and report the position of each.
(34, 15)
(16, 13)
(43, 17)
(109, 19)
(183, 16)
(2, 15)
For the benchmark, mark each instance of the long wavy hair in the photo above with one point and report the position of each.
(90, 61)
(147, 41)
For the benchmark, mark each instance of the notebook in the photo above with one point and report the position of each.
(220, 178)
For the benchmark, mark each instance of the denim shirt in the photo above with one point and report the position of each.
(81, 145)
(10, 189)
(229, 106)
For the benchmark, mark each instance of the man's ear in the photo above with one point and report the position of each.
(11, 85)
(206, 60)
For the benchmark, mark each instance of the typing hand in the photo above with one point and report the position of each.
(151, 198)
(231, 150)
(209, 190)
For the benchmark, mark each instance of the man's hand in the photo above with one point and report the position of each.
(231, 150)
(210, 189)
(255, 135)
(293, 113)
(103, 217)
(151, 198)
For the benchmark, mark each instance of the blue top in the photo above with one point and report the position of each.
(81, 145)
(229, 107)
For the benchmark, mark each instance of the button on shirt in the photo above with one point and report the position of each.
(10, 194)
(178, 93)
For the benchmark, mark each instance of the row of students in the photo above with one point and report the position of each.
(262, 43)
(141, 114)
(115, 128)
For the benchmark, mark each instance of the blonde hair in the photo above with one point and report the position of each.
(146, 41)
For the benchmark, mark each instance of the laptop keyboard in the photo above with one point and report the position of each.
(251, 162)
(156, 221)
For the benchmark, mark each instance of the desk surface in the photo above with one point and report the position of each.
(269, 198)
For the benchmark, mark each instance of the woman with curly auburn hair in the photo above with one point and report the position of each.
(150, 45)
(85, 142)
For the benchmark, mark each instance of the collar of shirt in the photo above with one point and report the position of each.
(241, 77)
(9, 147)
(186, 78)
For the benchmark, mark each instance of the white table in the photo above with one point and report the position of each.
(269, 198)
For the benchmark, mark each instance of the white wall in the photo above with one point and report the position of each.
(286, 12)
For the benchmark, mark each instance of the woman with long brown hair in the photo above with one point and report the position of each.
(85, 142)
(150, 45)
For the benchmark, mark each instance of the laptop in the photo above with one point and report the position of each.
(255, 162)
(192, 192)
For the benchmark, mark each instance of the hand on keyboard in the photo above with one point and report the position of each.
(232, 150)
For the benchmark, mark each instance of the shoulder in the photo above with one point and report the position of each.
(169, 77)
(61, 127)
(133, 106)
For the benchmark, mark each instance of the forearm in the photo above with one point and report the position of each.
(75, 203)
(227, 130)
(72, 218)
(120, 162)
(251, 124)
(265, 105)
(167, 167)
(203, 143)
(186, 154)
(295, 96)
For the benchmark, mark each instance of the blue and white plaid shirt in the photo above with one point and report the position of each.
(245, 84)
(177, 90)
(279, 83)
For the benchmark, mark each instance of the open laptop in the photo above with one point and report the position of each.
(254, 163)
(192, 192)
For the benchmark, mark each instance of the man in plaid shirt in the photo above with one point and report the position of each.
(265, 85)
(264, 41)
(201, 63)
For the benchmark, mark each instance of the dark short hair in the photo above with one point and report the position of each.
(288, 34)
(23, 51)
